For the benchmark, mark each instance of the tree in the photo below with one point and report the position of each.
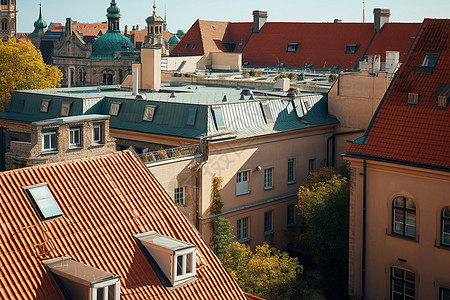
(267, 273)
(22, 68)
(323, 202)
(221, 236)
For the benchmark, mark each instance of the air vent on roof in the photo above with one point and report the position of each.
(224, 98)
(442, 101)
(246, 92)
(413, 98)
(443, 95)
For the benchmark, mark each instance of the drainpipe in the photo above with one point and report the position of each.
(333, 148)
(363, 269)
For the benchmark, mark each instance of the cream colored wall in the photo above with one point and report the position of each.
(226, 61)
(429, 190)
(150, 75)
(173, 62)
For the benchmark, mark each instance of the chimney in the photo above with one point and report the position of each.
(135, 81)
(259, 19)
(126, 29)
(337, 21)
(69, 25)
(380, 17)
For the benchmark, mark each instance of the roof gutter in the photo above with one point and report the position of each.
(333, 147)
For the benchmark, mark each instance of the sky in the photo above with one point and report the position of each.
(181, 14)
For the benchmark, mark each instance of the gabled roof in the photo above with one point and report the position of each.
(414, 134)
(105, 201)
(92, 29)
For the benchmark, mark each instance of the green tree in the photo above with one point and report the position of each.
(323, 202)
(221, 236)
(22, 68)
(267, 272)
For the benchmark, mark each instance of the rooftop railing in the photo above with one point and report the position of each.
(170, 153)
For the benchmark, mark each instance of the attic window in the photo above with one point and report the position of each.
(44, 105)
(442, 101)
(174, 261)
(192, 114)
(149, 113)
(267, 113)
(292, 47)
(351, 49)
(218, 117)
(187, 46)
(430, 59)
(443, 95)
(81, 281)
(114, 109)
(65, 108)
(43, 201)
(413, 98)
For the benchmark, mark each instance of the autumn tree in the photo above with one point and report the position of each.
(22, 68)
(267, 272)
(221, 236)
(324, 202)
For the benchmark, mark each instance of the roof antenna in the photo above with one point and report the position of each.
(364, 14)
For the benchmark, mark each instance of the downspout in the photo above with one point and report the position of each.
(333, 148)
(363, 269)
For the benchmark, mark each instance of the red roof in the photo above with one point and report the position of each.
(417, 134)
(92, 29)
(105, 201)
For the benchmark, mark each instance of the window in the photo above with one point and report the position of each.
(404, 217)
(49, 141)
(218, 117)
(4, 2)
(242, 230)
(242, 186)
(444, 294)
(185, 266)
(65, 109)
(312, 165)
(351, 49)
(290, 171)
(97, 134)
(75, 137)
(442, 101)
(446, 226)
(149, 113)
(44, 106)
(413, 98)
(292, 47)
(268, 222)
(268, 180)
(403, 284)
(106, 291)
(4, 24)
(291, 215)
(43, 201)
(267, 113)
(179, 195)
(430, 59)
(114, 109)
(192, 113)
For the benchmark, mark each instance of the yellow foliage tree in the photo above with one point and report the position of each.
(22, 68)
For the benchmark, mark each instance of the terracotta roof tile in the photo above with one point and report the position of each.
(105, 200)
(417, 134)
(92, 29)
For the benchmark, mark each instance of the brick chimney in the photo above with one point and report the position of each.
(380, 17)
(259, 19)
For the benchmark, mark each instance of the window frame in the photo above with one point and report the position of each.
(191, 117)
(312, 165)
(241, 175)
(351, 48)
(292, 47)
(441, 293)
(403, 281)
(427, 56)
(105, 286)
(184, 274)
(98, 126)
(268, 179)
(49, 133)
(65, 109)
(268, 222)
(149, 113)
(114, 109)
(35, 202)
(291, 171)
(290, 218)
(242, 230)
(218, 117)
(443, 233)
(178, 195)
(45, 105)
(404, 210)
(74, 144)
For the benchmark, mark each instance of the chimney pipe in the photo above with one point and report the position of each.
(135, 81)
(380, 17)
(259, 19)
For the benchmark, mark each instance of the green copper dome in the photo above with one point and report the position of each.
(180, 32)
(174, 40)
(109, 43)
(113, 9)
(40, 25)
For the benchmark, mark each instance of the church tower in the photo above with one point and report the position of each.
(8, 19)
(40, 27)
(154, 37)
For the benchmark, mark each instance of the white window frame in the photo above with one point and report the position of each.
(185, 275)
(105, 285)
(99, 127)
(242, 230)
(291, 171)
(243, 183)
(268, 178)
(178, 195)
(49, 134)
(72, 143)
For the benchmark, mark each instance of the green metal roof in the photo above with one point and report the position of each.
(109, 43)
(174, 40)
(39, 25)
(180, 32)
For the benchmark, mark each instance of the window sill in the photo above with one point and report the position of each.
(268, 188)
(291, 225)
(78, 147)
(97, 145)
(291, 182)
(244, 193)
(403, 237)
(444, 247)
(245, 240)
(270, 232)
(49, 152)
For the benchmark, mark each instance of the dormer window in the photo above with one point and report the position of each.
(351, 49)
(174, 261)
(114, 109)
(43, 202)
(292, 47)
(149, 113)
(44, 105)
(443, 96)
(65, 109)
(413, 98)
(81, 281)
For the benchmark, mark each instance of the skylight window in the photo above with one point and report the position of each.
(292, 47)
(43, 201)
(351, 49)
(218, 117)
(149, 113)
(114, 109)
(44, 105)
(430, 59)
(192, 114)
(267, 113)
(65, 109)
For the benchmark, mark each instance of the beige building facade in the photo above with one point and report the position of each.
(8, 19)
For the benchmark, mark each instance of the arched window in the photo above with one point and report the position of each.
(404, 217)
(4, 24)
(81, 75)
(446, 226)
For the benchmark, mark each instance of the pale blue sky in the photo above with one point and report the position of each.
(181, 14)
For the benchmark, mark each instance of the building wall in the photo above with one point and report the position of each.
(8, 13)
(423, 255)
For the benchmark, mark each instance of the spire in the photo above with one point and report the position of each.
(364, 14)
(113, 16)
(154, 7)
(40, 26)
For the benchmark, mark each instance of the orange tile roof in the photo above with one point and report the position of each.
(105, 200)
(139, 35)
(414, 134)
(251, 297)
(92, 29)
